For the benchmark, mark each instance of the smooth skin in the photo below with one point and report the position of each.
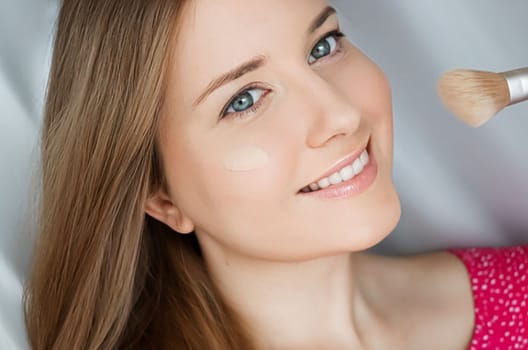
(294, 265)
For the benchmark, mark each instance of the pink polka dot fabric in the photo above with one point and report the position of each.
(499, 279)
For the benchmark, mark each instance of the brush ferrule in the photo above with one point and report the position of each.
(518, 84)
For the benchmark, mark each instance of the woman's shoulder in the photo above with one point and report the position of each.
(481, 268)
(428, 295)
(476, 295)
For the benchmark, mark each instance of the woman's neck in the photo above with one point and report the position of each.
(297, 304)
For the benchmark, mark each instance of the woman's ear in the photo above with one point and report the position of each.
(160, 207)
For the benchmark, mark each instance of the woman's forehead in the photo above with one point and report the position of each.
(227, 20)
(221, 13)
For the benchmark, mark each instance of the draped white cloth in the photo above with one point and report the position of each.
(459, 186)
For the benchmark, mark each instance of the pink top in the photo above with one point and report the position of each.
(499, 279)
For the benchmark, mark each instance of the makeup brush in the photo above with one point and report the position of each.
(476, 96)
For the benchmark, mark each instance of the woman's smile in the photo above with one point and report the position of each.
(349, 177)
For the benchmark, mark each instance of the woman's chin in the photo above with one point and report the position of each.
(380, 227)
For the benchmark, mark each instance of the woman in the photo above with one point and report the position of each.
(213, 172)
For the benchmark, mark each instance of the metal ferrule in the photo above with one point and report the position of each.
(518, 84)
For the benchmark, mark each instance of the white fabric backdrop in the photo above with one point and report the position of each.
(459, 186)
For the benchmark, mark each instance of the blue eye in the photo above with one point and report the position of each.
(326, 46)
(245, 101)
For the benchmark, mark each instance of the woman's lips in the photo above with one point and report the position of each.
(345, 168)
(350, 176)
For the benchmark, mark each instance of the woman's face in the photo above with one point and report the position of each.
(297, 100)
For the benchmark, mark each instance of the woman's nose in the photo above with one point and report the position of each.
(333, 114)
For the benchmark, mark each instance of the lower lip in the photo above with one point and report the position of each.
(349, 188)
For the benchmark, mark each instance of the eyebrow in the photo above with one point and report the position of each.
(258, 61)
(321, 19)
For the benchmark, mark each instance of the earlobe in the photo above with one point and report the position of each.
(160, 207)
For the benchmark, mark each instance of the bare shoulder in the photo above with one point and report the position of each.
(430, 297)
(428, 275)
(443, 275)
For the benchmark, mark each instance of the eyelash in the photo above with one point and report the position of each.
(336, 34)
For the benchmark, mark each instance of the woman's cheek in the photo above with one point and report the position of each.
(246, 159)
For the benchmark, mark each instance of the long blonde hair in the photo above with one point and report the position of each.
(105, 275)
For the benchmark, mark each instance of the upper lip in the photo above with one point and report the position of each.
(343, 162)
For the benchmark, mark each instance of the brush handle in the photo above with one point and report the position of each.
(518, 84)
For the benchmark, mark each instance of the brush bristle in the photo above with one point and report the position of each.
(473, 96)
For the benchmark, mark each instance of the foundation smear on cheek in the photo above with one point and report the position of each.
(246, 159)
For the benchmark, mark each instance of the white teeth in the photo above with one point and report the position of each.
(364, 157)
(347, 173)
(358, 166)
(335, 179)
(344, 174)
(324, 183)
